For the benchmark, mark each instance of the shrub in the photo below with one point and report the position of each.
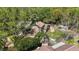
(56, 34)
(70, 41)
(28, 43)
(1, 44)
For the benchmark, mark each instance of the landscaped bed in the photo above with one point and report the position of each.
(22, 43)
(56, 35)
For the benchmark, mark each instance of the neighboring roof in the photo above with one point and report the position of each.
(73, 48)
(65, 47)
(40, 24)
(44, 47)
(58, 45)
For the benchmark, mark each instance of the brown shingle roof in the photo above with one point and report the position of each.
(73, 48)
(65, 47)
(44, 47)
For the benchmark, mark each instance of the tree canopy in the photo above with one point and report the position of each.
(14, 19)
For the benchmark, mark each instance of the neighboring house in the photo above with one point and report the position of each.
(58, 47)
